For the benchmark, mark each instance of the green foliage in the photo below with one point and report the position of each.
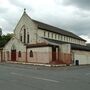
(4, 39)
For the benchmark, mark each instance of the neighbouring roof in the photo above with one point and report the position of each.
(57, 30)
(80, 47)
(88, 44)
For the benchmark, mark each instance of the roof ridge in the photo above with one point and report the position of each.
(43, 25)
(55, 29)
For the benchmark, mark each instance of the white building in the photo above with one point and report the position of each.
(36, 42)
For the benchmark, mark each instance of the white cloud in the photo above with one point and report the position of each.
(82, 4)
(54, 12)
(86, 38)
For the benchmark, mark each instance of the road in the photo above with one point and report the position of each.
(29, 77)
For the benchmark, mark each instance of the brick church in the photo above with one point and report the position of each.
(37, 42)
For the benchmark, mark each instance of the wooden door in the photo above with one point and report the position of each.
(53, 53)
(13, 55)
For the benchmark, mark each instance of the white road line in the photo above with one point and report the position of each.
(87, 73)
(50, 80)
(44, 79)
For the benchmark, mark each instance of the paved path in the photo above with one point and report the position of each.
(29, 77)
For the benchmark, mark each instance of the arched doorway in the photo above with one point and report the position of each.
(13, 53)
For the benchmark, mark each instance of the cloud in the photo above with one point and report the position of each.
(83, 4)
(71, 15)
(3, 6)
(8, 16)
(86, 38)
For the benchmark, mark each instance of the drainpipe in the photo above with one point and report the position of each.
(73, 59)
(26, 55)
(1, 55)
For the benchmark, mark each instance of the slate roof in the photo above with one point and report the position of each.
(73, 46)
(88, 44)
(52, 42)
(80, 47)
(36, 45)
(57, 30)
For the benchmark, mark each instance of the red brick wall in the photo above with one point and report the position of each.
(65, 58)
(22, 58)
(39, 57)
(44, 57)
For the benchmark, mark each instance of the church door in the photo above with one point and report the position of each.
(13, 55)
(53, 53)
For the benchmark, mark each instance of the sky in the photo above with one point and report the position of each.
(70, 15)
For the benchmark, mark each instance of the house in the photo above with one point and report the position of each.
(37, 42)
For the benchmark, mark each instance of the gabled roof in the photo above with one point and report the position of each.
(57, 30)
(50, 28)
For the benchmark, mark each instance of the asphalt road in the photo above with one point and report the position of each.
(28, 77)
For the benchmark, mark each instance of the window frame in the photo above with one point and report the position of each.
(31, 53)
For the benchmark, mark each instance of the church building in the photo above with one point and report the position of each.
(37, 42)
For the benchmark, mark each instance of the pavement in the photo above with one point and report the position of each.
(37, 64)
(30, 77)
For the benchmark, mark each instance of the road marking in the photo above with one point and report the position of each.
(50, 80)
(87, 73)
(44, 79)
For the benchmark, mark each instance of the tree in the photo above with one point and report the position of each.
(0, 32)
(4, 39)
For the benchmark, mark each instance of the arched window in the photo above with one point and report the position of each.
(27, 38)
(19, 54)
(52, 35)
(48, 34)
(21, 38)
(31, 53)
(44, 33)
(55, 36)
(24, 35)
(13, 47)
